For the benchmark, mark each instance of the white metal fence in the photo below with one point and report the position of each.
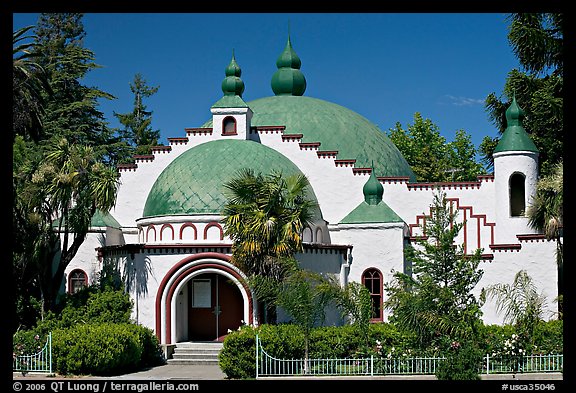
(267, 365)
(40, 362)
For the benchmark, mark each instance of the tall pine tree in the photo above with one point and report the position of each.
(137, 131)
(434, 298)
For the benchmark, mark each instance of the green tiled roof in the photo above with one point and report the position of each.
(230, 102)
(335, 127)
(193, 182)
(366, 214)
(515, 137)
(101, 219)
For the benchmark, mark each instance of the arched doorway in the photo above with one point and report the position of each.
(189, 293)
(215, 306)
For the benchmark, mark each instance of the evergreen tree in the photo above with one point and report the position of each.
(138, 132)
(71, 111)
(434, 300)
(29, 87)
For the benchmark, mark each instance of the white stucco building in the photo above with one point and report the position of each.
(166, 226)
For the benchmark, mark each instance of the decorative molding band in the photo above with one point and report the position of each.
(161, 149)
(178, 141)
(143, 157)
(309, 145)
(122, 250)
(393, 179)
(486, 178)
(506, 247)
(443, 185)
(361, 171)
(198, 131)
(327, 153)
(317, 248)
(268, 129)
(345, 163)
(532, 238)
(292, 137)
(126, 167)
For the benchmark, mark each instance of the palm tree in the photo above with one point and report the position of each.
(265, 216)
(29, 82)
(520, 302)
(304, 295)
(58, 197)
(546, 215)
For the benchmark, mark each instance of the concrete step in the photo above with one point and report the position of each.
(196, 353)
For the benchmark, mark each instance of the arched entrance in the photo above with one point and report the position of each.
(200, 298)
(214, 306)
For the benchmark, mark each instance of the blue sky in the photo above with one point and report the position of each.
(385, 66)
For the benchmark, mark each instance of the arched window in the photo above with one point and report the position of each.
(372, 279)
(517, 196)
(307, 235)
(229, 126)
(77, 280)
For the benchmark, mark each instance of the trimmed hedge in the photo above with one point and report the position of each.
(285, 341)
(104, 349)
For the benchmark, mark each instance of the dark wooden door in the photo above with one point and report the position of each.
(216, 306)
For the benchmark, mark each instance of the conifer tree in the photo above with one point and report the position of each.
(434, 299)
(137, 131)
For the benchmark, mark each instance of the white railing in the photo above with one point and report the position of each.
(40, 362)
(523, 364)
(267, 365)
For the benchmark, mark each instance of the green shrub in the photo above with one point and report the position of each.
(237, 359)
(283, 341)
(549, 337)
(89, 305)
(27, 342)
(152, 354)
(463, 362)
(96, 349)
(109, 306)
(334, 342)
(492, 337)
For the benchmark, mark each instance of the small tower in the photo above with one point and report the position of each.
(231, 116)
(515, 177)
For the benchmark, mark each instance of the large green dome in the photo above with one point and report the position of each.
(193, 182)
(336, 128)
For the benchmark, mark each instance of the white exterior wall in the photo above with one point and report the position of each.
(377, 246)
(536, 257)
(337, 189)
(474, 204)
(505, 165)
(135, 184)
(86, 258)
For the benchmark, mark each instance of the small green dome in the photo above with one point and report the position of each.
(193, 182)
(515, 137)
(232, 85)
(373, 190)
(288, 79)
